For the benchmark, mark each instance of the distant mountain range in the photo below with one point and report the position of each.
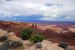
(47, 22)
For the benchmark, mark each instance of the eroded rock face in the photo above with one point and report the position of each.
(13, 26)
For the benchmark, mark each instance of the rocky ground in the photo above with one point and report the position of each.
(46, 45)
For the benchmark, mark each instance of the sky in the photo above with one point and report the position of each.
(37, 10)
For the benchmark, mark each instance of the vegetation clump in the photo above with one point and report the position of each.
(16, 44)
(26, 33)
(3, 38)
(36, 38)
(63, 45)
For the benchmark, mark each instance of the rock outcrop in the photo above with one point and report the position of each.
(12, 37)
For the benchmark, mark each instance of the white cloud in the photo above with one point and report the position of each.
(9, 8)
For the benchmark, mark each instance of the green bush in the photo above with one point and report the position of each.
(26, 33)
(63, 45)
(36, 38)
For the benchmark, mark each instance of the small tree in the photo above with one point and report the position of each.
(36, 38)
(26, 33)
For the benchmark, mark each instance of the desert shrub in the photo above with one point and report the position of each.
(16, 44)
(63, 45)
(3, 38)
(36, 38)
(26, 33)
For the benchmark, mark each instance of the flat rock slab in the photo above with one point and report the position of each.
(47, 45)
